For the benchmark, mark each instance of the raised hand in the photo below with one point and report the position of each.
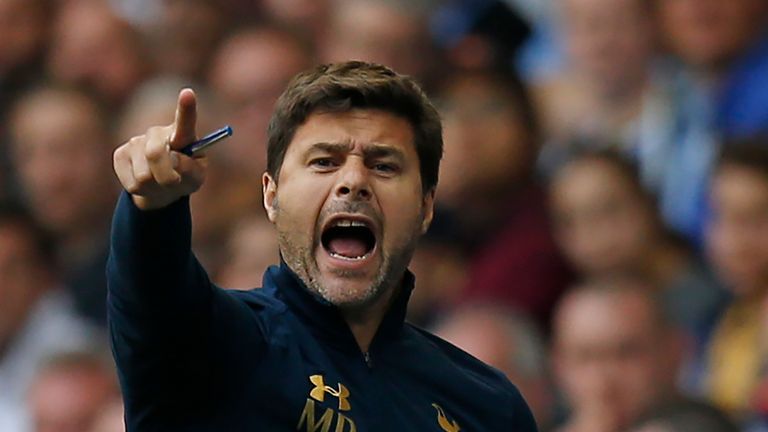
(150, 166)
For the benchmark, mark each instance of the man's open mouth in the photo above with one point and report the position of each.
(348, 238)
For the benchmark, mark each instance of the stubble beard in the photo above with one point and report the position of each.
(300, 258)
(388, 275)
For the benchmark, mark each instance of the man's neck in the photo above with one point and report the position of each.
(364, 322)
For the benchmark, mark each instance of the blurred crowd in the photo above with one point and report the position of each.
(601, 234)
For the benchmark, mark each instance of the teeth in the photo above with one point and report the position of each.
(348, 223)
(335, 255)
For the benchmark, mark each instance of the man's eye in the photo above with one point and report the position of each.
(385, 167)
(323, 163)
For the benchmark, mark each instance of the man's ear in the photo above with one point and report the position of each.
(429, 210)
(269, 189)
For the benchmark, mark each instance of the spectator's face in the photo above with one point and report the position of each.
(20, 279)
(62, 154)
(709, 33)
(22, 30)
(609, 41)
(249, 74)
(441, 270)
(252, 248)
(68, 400)
(486, 144)
(738, 234)
(609, 355)
(379, 33)
(600, 222)
(370, 174)
(491, 340)
(93, 49)
(186, 36)
(309, 15)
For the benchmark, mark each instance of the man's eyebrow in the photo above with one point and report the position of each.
(331, 147)
(381, 151)
(369, 150)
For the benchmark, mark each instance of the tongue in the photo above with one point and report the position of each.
(349, 247)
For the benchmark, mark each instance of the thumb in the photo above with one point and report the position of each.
(186, 118)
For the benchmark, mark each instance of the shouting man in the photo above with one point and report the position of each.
(353, 157)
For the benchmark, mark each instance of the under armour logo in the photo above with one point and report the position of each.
(318, 393)
(442, 420)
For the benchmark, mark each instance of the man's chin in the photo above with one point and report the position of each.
(347, 289)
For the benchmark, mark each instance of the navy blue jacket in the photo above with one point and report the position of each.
(195, 357)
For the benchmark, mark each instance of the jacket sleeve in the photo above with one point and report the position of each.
(159, 308)
(523, 417)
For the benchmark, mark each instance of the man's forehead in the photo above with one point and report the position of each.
(355, 130)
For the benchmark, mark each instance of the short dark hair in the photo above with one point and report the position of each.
(688, 415)
(342, 87)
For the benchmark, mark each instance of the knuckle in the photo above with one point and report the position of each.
(136, 141)
(132, 188)
(119, 155)
(155, 153)
(144, 178)
(169, 181)
(156, 131)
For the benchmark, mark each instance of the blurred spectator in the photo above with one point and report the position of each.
(36, 317)
(479, 34)
(110, 418)
(440, 267)
(251, 248)
(91, 47)
(61, 149)
(615, 354)
(719, 92)
(608, 224)
(310, 17)
(249, 71)
(184, 36)
(69, 392)
(228, 194)
(725, 46)
(509, 342)
(24, 36)
(600, 94)
(24, 32)
(738, 243)
(685, 416)
(390, 32)
(488, 195)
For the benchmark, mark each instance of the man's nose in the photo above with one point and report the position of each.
(353, 181)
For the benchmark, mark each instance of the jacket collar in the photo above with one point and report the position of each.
(324, 319)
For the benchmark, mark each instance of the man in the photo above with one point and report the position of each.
(509, 341)
(36, 317)
(58, 143)
(70, 391)
(737, 246)
(615, 355)
(353, 157)
(685, 416)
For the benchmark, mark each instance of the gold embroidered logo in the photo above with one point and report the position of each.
(318, 393)
(442, 420)
(314, 419)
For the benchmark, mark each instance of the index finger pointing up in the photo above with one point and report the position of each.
(186, 119)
